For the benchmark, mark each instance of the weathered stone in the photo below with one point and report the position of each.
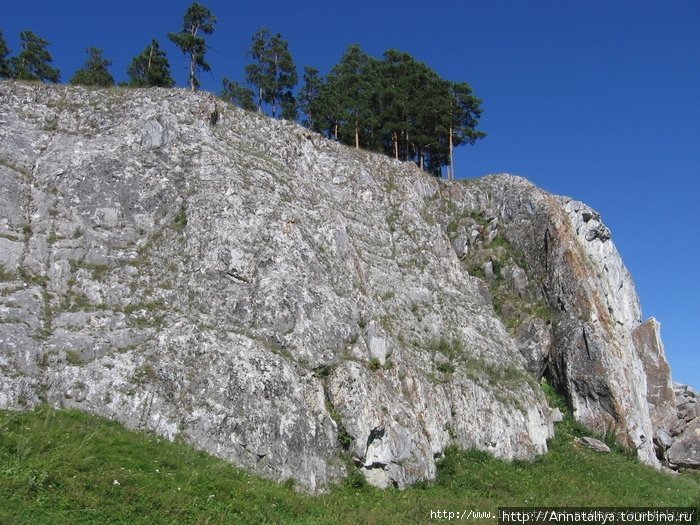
(534, 340)
(516, 279)
(595, 444)
(662, 440)
(660, 394)
(273, 297)
(460, 246)
(10, 254)
(686, 402)
(592, 298)
(685, 451)
(556, 415)
(377, 343)
(487, 268)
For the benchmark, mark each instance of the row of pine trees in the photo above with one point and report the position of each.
(396, 105)
(148, 69)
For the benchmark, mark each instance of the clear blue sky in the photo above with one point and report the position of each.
(595, 99)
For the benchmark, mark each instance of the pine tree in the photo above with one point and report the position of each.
(326, 110)
(356, 82)
(290, 107)
(431, 125)
(197, 19)
(33, 62)
(150, 68)
(398, 101)
(272, 72)
(465, 111)
(308, 95)
(5, 71)
(398, 105)
(95, 72)
(255, 72)
(239, 95)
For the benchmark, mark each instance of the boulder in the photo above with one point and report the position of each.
(594, 444)
(685, 451)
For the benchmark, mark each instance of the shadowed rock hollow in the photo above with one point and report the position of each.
(288, 303)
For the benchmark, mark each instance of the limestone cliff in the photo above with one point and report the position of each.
(285, 302)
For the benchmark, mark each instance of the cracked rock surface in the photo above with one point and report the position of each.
(292, 305)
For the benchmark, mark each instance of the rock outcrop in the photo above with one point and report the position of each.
(590, 297)
(681, 441)
(285, 302)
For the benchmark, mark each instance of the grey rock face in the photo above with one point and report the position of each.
(264, 294)
(592, 301)
(280, 300)
(534, 340)
(660, 394)
(687, 401)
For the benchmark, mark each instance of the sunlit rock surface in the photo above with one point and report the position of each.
(295, 306)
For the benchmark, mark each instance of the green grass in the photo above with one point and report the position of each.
(61, 466)
(99, 271)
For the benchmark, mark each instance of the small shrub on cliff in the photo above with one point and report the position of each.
(180, 220)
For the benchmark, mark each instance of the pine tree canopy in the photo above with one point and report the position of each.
(272, 73)
(396, 105)
(33, 61)
(466, 113)
(198, 18)
(313, 83)
(95, 72)
(5, 71)
(150, 68)
(238, 95)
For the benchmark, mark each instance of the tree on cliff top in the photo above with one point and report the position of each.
(313, 82)
(150, 68)
(239, 95)
(5, 71)
(33, 62)
(95, 72)
(197, 19)
(465, 111)
(397, 105)
(272, 72)
(344, 105)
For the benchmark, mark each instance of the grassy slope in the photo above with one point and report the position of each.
(61, 467)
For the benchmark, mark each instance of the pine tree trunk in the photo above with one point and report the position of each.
(395, 139)
(193, 65)
(451, 171)
(150, 57)
(405, 145)
(357, 135)
(193, 87)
